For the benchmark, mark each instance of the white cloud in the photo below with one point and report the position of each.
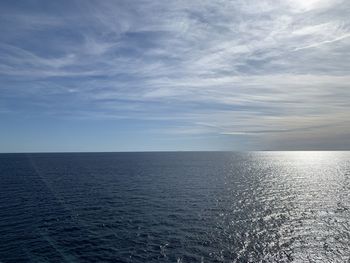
(304, 6)
(229, 64)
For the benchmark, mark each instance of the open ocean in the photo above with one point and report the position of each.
(175, 207)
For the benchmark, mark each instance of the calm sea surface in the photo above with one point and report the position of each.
(175, 207)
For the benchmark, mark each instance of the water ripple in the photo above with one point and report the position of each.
(175, 207)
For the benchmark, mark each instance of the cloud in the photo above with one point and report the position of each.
(240, 67)
(323, 42)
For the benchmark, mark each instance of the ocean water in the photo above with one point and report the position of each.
(175, 207)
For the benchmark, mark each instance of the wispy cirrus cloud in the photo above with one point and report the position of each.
(275, 69)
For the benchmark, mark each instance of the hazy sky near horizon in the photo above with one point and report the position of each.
(174, 75)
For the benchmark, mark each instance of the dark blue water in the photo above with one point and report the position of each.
(175, 207)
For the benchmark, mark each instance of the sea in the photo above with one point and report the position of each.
(175, 207)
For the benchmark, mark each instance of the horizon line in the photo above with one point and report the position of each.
(172, 151)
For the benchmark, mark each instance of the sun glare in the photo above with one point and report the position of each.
(302, 5)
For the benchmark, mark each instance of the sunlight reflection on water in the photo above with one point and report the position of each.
(169, 207)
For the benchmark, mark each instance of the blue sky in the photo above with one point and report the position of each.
(174, 75)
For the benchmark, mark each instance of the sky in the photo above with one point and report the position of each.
(157, 75)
